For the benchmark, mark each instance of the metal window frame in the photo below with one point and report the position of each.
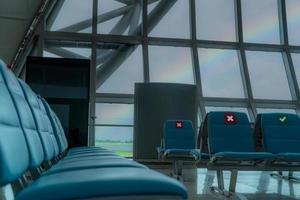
(194, 43)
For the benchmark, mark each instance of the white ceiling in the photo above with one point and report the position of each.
(15, 16)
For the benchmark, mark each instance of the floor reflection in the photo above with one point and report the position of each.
(254, 185)
(251, 184)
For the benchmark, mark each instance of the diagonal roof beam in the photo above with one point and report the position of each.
(54, 12)
(152, 1)
(135, 18)
(122, 24)
(128, 2)
(119, 28)
(103, 57)
(125, 51)
(159, 12)
(101, 18)
(64, 53)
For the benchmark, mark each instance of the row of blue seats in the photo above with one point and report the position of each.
(229, 135)
(36, 163)
(228, 142)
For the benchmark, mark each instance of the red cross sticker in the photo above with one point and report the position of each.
(229, 118)
(179, 124)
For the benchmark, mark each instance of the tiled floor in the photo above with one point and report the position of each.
(251, 185)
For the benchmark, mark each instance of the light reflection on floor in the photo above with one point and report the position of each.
(252, 184)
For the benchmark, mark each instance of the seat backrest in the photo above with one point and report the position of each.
(14, 155)
(56, 129)
(26, 119)
(63, 135)
(179, 134)
(281, 132)
(40, 121)
(50, 128)
(229, 131)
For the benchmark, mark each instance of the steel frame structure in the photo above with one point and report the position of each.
(139, 36)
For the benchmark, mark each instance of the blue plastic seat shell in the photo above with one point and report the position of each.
(104, 182)
(89, 164)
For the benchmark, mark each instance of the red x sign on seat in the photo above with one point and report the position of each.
(229, 118)
(179, 124)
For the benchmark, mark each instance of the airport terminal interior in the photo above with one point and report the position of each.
(149, 99)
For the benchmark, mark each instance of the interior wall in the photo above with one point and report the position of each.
(15, 16)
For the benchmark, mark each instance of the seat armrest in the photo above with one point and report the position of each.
(253, 157)
(160, 150)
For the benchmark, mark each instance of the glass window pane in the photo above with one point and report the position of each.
(67, 52)
(129, 72)
(216, 20)
(175, 23)
(115, 114)
(118, 139)
(170, 64)
(275, 110)
(260, 21)
(152, 5)
(220, 73)
(49, 54)
(119, 18)
(296, 62)
(73, 16)
(225, 109)
(293, 19)
(267, 75)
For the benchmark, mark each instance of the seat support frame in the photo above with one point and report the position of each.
(290, 177)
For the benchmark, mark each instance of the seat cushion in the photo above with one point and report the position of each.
(75, 149)
(288, 156)
(243, 156)
(103, 182)
(182, 152)
(85, 151)
(89, 164)
(92, 154)
(89, 158)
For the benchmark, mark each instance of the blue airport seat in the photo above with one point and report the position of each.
(23, 125)
(42, 122)
(231, 145)
(230, 137)
(41, 117)
(45, 129)
(178, 141)
(104, 182)
(61, 138)
(179, 144)
(281, 135)
(12, 139)
(26, 120)
(111, 162)
(75, 160)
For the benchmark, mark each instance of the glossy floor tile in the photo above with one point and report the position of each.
(251, 185)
